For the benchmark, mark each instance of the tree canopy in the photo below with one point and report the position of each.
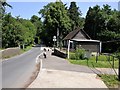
(74, 14)
(39, 26)
(103, 24)
(55, 18)
(17, 31)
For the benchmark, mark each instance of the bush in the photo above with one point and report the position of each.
(79, 54)
(118, 55)
(72, 56)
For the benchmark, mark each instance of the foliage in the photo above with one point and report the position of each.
(94, 22)
(26, 49)
(108, 22)
(39, 26)
(101, 63)
(29, 33)
(3, 4)
(72, 56)
(55, 18)
(110, 80)
(118, 55)
(74, 13)
(103, 24)
(16, 31)
(78, 55)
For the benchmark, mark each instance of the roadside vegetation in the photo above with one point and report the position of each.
(100, 61)
(1, 49)
(103, 61)
(110, 80)
(102, 23)
(56, 17)
(14, 52)
(26, 49)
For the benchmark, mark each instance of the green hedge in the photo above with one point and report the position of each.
(78, 55)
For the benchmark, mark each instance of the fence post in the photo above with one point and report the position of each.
(113, 62)
(97, 57)
(119, 70)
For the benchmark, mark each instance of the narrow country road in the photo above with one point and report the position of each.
(17, 70)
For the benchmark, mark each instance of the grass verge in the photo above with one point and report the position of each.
(102, 62)
(111, 81)
(15, 53)
(26, 49)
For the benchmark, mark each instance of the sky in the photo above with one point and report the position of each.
(119, 6)
(25, 9)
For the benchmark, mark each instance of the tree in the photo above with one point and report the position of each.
(30, 31)
(112, 31)
(3, 4)
(39, 26)
(94, 22)
(103, 24)
(74, 15)
(17, 32)
(56, 22)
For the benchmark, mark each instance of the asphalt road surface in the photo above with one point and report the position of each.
(17, 71)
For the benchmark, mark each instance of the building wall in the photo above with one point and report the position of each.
(89, 46)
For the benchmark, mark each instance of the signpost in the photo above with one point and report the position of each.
(54, 39)
(69, 48)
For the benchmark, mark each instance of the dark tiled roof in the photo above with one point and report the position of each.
(87, 36)
(73, 33)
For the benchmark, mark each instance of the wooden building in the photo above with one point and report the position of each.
(80, 39)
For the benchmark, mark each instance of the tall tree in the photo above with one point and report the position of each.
(10, 31)
(30, 31)
(74, 14)
(3, 4)
(56, 21)
(94, 22)
(103, 24)
(17, 31)
(39, 26)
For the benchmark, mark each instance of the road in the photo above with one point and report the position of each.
(57, 72)
(17, 70)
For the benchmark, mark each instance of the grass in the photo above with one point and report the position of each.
(17, 53)
(111, 81)
(26, 49)
(1, 48)
(101, 63)
(104, 61)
